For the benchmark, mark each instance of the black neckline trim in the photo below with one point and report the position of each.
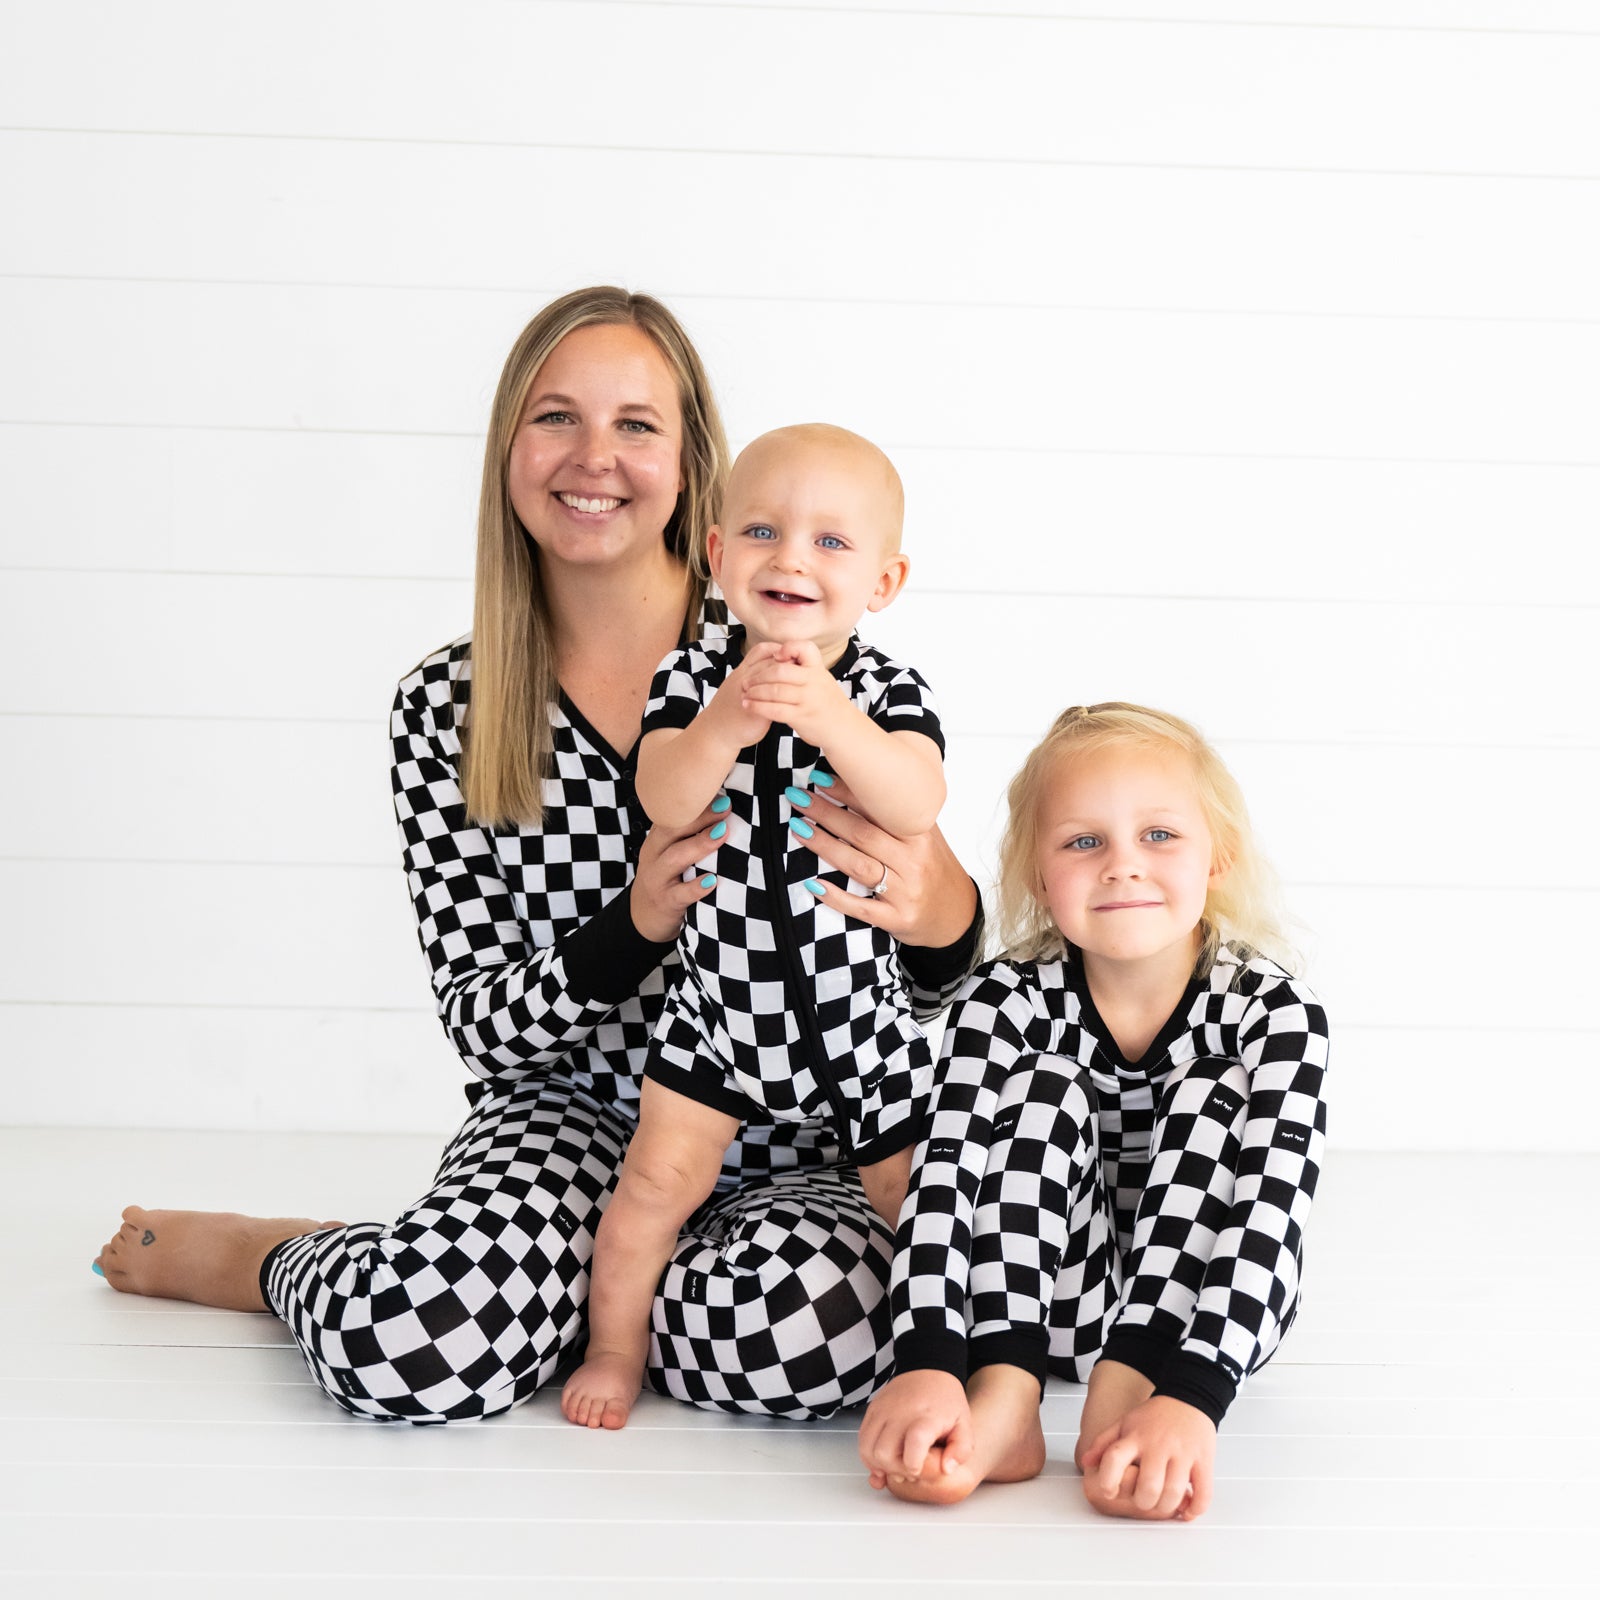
(847, 659)
(594, 736)
(1176, 1025)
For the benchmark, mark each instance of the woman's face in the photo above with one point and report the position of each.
(594, 472)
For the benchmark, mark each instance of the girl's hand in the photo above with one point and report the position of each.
(793, 687)
(908, 1417)
(658, 896)
(929, 899)
(1155, 1464)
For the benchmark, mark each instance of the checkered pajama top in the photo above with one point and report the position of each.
(1247, 1010)
(536, 964)
(788, 1007)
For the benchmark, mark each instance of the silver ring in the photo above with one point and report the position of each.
(883, 883)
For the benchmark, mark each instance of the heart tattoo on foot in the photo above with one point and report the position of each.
(149, 1237)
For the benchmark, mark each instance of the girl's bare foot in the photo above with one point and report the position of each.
(1114, 1390)
(213, 1257)
(1007, 1441)
(600, 1394)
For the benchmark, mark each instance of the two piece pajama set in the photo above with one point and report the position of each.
(1175, 1249)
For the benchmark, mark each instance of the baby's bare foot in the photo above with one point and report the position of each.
(213, 1257)
(600, 1394)
(1007, 1441)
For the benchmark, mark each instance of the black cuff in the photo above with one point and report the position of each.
(608, 958)
(1147, 1350)
(941, 1351)
(1028, 1348)
(1198, 1383)
(933, 966)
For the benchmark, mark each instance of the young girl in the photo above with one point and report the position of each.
(1123, 1143)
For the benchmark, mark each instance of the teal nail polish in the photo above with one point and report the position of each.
(721, 804)
(720, 829)
(707, 881)
(98, 1270)
(813, 886)
(802, 827)
(819, 779)
(796, 797)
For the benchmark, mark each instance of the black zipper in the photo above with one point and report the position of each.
(774, 854)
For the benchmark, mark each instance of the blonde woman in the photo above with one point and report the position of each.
(1126, 1132)
(547, 907)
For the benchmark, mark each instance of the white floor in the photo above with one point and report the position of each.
(1431, 1425)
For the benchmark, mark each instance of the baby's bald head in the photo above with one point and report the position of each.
(804, 445)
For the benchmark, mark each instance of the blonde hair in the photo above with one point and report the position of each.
(1241, 906)
(508, 739)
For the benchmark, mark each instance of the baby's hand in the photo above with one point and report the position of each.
(1155, 1464)
(792, 686)
(907, 1418)
(730, 704)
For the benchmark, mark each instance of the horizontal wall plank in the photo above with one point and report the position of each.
(292, 1071)
(163, 499)
(138, 1066)
(1031, 89)
(1017, 380)
(121, 206)
(303, 649)
(152, 789)
(333, 938)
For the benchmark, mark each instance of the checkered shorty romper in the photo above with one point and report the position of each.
(1068, 1205)
(774, 1300)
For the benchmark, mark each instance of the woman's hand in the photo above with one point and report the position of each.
(928, 899)
(658, 895)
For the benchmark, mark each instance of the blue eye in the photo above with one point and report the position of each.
(635, 425)
(553, 416)
(831, 541)
(759, 531)
(1158, 835)
(1084, 841)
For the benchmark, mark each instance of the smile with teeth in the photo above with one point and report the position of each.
(783, 598)
(579, 502)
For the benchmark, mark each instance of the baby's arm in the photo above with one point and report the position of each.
(681, 769)
(896, 775)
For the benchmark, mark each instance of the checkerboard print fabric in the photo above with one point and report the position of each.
(468, 1302)
(736, 1028)
(1179, 1207)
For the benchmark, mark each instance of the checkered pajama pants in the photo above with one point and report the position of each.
(1080, 1196)
(772, 1303)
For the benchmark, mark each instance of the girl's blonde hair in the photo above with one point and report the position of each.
(1241, 906)
(508, 735)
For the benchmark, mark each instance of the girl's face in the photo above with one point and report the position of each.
(594, 470)
(1125, 855)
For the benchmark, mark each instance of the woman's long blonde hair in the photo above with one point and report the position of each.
(1241, 906)
(508, 734)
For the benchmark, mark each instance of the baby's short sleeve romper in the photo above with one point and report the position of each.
(788, 1010)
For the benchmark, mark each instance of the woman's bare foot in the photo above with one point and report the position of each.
(1007, 1441)
(600, 1394)
(213, 1257)
(1114, 1390)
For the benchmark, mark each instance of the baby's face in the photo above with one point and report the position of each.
(809, 541)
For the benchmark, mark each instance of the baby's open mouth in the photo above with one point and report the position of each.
(783, 598)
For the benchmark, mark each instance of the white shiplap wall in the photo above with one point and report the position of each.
(1238, 358)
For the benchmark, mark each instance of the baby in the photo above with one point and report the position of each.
(786, 1010)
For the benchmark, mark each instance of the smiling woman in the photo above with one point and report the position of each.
(548, 908)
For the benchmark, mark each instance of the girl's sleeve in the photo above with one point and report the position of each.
(1252, 1277)
(509, 1008)
(987, 1032)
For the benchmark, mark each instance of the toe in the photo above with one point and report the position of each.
(615, 1414)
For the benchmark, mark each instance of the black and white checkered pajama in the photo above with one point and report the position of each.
(1069, 1205)
(773, 1301)
(788, 1009)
